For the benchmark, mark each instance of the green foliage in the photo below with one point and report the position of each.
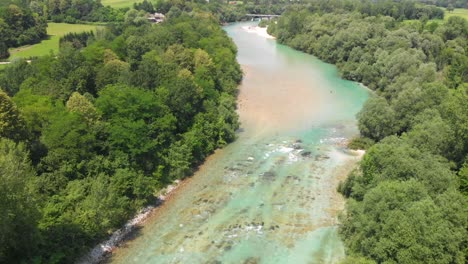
(70, 141)
(379, 164)
(51, 43)
(454, 111)
(18, 211)
(145, 5)
(382, 226)
(19, 26)
(73, 11)
(357, 260)
(12, 125)
(446, 3)
(463, 176)
(107, 123)
(431, 134)
(79, 104)
(361, 143)
(406, 203)
(450, 8)
(77, 40)
(377, 119)
(17, 72)
(139, 124)
(112, 72)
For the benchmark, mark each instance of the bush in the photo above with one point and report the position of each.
(361, 143)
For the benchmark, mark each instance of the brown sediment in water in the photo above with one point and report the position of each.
(272, 104)
(262, 108)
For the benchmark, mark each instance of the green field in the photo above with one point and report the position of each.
(55, 31)
(457, 12)
(119, 3)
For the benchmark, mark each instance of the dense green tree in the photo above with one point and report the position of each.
(12, 124)
(112, 119)
(18, 211)
(184, 99)
(179, 161)
(112, 72)
(379, 165)
(450, 8)
(148, 74)
(405, 204)
(4, 53)
(413, 100)
(79, 104)
(454, 28)
(139, 123)
(145, 5)
(463, 175)
(19, 26)
(70, 142)
(431, 134)
(14, 75)
(382, 226)
(455, 111)
(377, 119)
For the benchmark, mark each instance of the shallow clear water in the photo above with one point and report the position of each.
(269, 197)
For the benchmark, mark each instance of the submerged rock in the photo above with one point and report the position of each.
(227, 248)
(269, 175)
(321, 157)
(252, 260)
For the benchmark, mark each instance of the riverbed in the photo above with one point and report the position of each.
(269, 197)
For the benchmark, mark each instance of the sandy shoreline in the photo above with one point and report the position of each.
(102, 251)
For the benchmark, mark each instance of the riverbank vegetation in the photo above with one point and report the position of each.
(90, 134)
(407, 201)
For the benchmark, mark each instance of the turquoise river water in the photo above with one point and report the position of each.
(269, 197)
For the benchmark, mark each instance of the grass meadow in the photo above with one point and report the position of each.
(457, 12)
(55, 31)
(119, 3)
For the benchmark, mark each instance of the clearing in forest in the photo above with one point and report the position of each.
(54, 32)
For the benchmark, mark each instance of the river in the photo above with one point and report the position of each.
(269, 197)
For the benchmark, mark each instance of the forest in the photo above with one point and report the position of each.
(74, 11)
(57, 11)
(19, 26)
(407, 201)
(89, 135)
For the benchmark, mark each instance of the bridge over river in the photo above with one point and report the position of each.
(262, 16)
